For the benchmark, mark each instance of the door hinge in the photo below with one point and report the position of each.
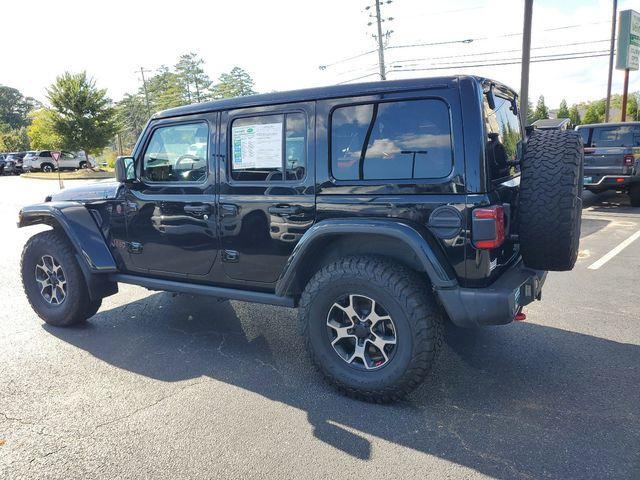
(230, 256)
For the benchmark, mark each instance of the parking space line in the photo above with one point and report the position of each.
(598, 263)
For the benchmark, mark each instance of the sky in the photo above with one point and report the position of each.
(282, 43)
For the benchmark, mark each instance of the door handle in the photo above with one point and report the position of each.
(197, 210)
(285, 209)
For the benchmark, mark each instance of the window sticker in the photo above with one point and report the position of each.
(257, 146)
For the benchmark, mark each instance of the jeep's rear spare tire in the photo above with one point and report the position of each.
(550, 204)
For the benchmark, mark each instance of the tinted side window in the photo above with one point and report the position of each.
(619, 136)
(45, 154)
(177, 153)
(391, 140)
(263, 147)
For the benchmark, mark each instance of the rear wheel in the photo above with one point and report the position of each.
(53, 281)
(634, 195)
(47, 168)
(372, 327)
(84, 164)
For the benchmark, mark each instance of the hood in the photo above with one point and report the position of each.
(103, 190)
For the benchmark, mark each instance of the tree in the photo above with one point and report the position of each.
(236, 83)
(541, 112)
(41, 132)
(592, 115)
(165, 90)
(574, 115)
(14, 140)
(131, 114)
(82, 114)
(195, 81)
(563, 111)
(14, 107)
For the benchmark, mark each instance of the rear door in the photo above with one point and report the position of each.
(170, 211)
(607, 149)
(267, 198)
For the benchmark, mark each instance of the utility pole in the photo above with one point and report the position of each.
(526, 54)
(383, 72)
(614, 17)
(146, 93)
(379, 36)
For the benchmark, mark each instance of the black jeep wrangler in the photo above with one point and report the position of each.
(378, 210)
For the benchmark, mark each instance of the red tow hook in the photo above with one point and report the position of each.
(520, 316)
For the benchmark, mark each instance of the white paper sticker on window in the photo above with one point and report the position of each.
(257, 146)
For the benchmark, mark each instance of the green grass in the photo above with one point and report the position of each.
(84, 174)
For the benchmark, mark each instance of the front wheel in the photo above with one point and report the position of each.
(53, 281)
(372, 327)
(47, 168)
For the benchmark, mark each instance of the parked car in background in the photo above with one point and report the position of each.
(43, 161)
(13, 162)
(2, 162)
(612, 158)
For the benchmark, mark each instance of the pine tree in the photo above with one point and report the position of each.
(236, 83)
(574, 116)
(541, 112)
(563, 111)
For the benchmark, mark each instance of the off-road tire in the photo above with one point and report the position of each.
(550, 202)
(77, 306)
(406, 296)
(634, 195)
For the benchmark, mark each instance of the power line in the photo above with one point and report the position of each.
(551, 55)
(499, 64)
(496, 52)
(493, 64)
(475, 54)
(453, 42)
(505, 35)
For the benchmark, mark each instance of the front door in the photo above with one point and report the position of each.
(267, 199)
(171, 221)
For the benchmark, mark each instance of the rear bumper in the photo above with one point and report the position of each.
(496, 304)
(608, 181)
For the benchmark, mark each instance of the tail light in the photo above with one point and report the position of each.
(488, 227)
(629, 160)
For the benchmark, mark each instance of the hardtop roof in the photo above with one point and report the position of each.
(316, 93)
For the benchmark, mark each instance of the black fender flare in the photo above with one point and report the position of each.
(92, 252)
(431, 261)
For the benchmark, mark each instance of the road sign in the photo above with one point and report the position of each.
(55, 156)
(628, 57)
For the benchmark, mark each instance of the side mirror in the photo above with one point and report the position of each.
(125, 169)
(491, 99)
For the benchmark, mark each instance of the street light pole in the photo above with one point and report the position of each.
(526, 54)
(614, 17)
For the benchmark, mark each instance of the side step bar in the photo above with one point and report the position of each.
(208, 290)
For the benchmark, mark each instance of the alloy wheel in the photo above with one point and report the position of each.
(361, 331)
(51, 280)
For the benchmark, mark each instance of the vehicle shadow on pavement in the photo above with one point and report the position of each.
(516, 401)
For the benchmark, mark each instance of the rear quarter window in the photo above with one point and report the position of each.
(616, 136)
(399, 140)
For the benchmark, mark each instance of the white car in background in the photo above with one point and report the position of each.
(43, 161)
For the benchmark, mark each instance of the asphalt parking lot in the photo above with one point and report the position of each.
(162, 386)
